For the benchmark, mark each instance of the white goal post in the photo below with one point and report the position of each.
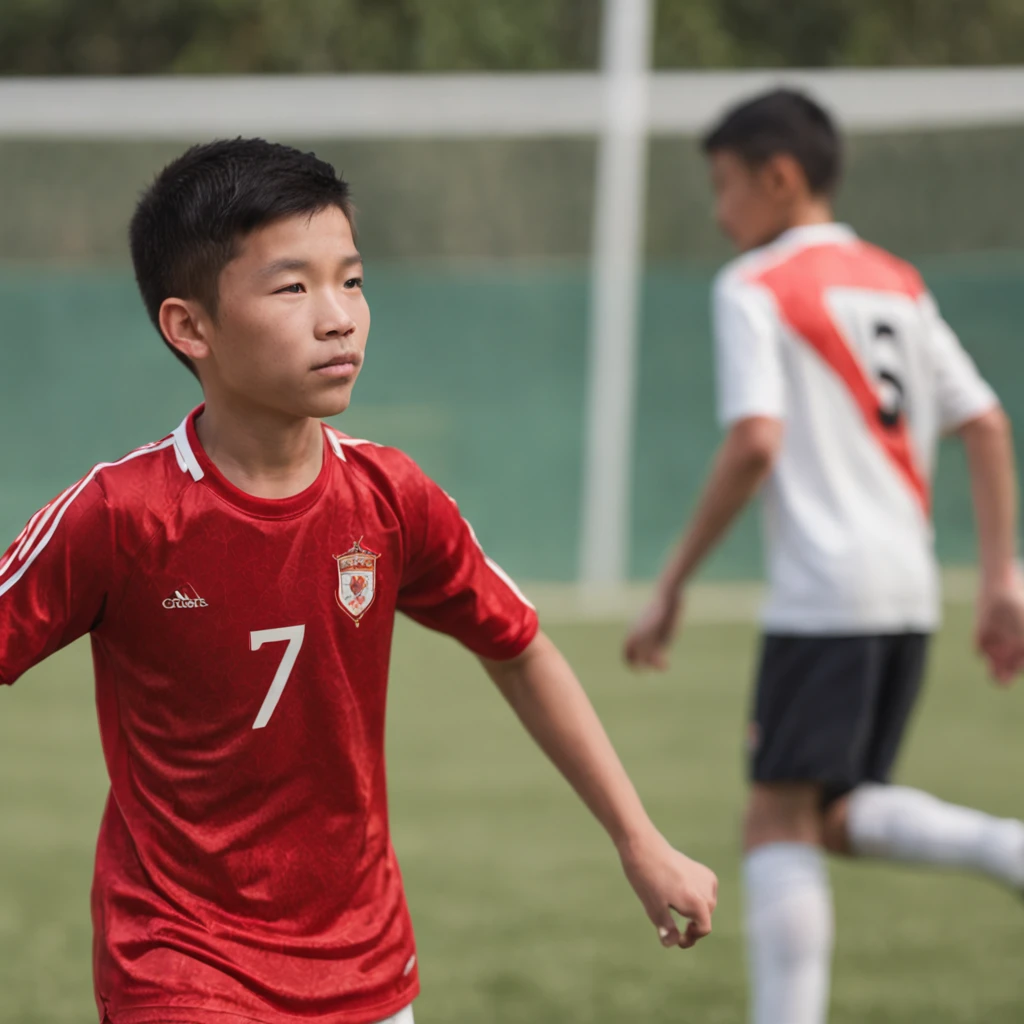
(488, 105)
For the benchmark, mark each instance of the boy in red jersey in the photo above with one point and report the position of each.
(239, 580)
(836, 378)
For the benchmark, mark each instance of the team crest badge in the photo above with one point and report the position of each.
(357, 579)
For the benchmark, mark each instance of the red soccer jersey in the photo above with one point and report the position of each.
(244, 867)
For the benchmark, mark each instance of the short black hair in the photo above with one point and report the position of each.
(188, 223)
(782, 121)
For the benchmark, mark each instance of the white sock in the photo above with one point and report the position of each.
(897, 823)
(789, 933)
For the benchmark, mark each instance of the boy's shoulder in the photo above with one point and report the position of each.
(395, 478)
(144, 476)
(903, 271)
(371, 456)
(122, 499)
(815, 254)
(745, 271)
(384, 467)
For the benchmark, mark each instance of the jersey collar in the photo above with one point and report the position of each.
(201, 468)
(817, 234)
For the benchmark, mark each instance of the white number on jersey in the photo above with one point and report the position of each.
(293, 635)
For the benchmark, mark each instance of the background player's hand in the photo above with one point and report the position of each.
(666, 880)
(999, 634)
(650, 637)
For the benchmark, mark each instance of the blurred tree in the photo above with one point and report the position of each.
(692, 34)
(233, 36)
(162, 36)
(932, 32)
(829, 33)
(753, 33)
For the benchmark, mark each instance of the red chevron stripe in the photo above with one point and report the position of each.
(799, 285)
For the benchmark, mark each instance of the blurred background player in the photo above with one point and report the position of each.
(836, 378)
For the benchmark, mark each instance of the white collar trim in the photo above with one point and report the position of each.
(816, 234)
(186, 457)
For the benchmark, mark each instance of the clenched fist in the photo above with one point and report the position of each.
(666, 880)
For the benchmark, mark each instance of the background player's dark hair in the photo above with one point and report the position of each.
(782, 121)
(188, 223)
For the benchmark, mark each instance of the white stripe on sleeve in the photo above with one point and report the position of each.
(76, 490)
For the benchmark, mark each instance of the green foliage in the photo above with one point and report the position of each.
(209, 36)
(300, 36)
(828, 33)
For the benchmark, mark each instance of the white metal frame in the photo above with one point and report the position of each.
(495, 105)
(616, 265)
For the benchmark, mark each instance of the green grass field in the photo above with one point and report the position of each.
(521, 913)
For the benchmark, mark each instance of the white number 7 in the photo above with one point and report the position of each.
(259, 637)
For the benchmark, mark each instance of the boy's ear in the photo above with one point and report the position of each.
(784, 177)
(186, 325)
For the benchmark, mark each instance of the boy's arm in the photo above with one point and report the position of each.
(968, 407)
(999, 632)
(544, 692)
(743, 461)
(450, 585)
(53, 579)
(751, 405)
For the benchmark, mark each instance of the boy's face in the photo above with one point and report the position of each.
(292, 320)
(753, 205)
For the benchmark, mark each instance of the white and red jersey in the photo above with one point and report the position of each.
(843, 342)
(244, 868)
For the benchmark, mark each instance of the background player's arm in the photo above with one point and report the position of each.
(999, 634)
(544, 692)
(968, 407)
(988, 442)
(740, 467)
(751, 404)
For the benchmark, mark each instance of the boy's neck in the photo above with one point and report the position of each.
(809, 213)
(262, 452)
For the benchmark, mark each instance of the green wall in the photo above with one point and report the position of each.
(477, 370)
(477, 256)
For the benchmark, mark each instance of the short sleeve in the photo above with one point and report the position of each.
(962, 393)
(54, 579)
(747, 349)
(450, 585)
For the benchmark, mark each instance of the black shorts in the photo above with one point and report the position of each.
(833, 709)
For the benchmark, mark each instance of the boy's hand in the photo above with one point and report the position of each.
(999, 634)
(665, 880)
(651, 636)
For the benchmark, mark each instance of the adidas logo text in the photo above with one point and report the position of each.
(185, 598)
